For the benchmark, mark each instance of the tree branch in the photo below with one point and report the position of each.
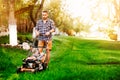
(39, 9)
(31, 13)
(22, 10)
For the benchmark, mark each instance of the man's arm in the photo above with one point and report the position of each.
(37, 33)
(52, 28)
(37, 29)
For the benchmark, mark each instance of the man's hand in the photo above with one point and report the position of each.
(47, 33)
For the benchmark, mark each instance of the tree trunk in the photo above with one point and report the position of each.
(12, 25)
(39, 10)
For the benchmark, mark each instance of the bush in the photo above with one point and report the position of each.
(4, 39)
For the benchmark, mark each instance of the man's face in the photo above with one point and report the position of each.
(44, 15)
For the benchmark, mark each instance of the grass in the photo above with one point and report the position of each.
(71, 59)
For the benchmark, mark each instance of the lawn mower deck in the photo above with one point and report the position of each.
(30, 65)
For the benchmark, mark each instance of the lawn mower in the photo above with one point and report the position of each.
(35, 62)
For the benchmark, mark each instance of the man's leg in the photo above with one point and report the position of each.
(40, 46)
(48, 49)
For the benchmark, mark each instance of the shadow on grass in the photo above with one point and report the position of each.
(97, 63)
(104, 63)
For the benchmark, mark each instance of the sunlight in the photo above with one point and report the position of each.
(88, 9)
(98, 13)
(25, 1)
(104, 9)
(85, 8)
(76, 8)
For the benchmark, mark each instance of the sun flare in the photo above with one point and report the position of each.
(99, 13)
(85, 8)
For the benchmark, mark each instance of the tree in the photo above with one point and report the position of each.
(13, 11)
(31, 6)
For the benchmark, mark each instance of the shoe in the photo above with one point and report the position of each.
(45, 66)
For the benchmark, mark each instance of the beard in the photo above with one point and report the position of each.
(44, 18)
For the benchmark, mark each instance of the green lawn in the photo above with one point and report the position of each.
(71, 59)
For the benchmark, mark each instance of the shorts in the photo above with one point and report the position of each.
(45, 44)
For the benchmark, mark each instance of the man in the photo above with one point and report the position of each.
(44, 29)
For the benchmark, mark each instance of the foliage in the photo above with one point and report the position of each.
(54, 8)
(22, 37)
(4, 39)
(79, 59)
(25, 37)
